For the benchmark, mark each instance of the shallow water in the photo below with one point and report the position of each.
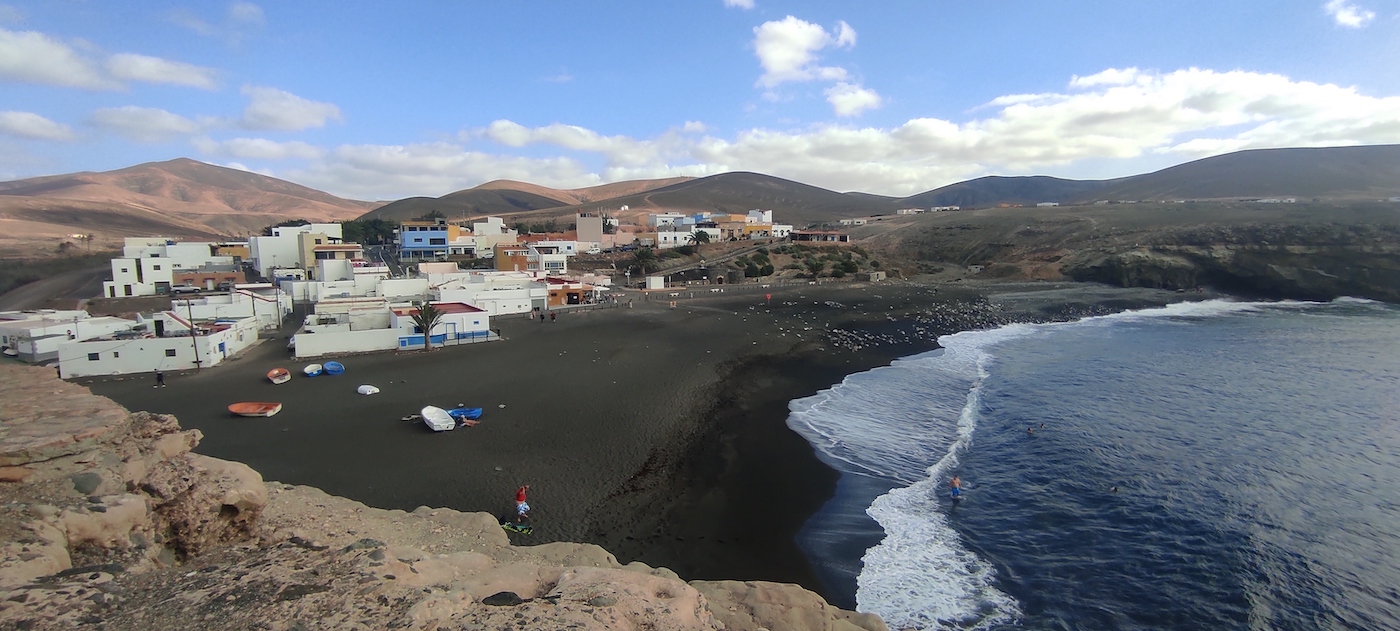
(1253, 447)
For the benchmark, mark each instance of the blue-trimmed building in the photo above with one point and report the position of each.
(426, 240)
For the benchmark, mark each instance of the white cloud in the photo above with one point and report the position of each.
(246, 13)
(10, 14)
(239, 20)
(1123, 114)
(133, 67)
(33, 126)
(787, 51)
(393, 171)
(742, 4)
(273, 109)
(257, 148)
(619, 150)
(1111, 76)
(1347, 14)
(33, 57)
(850, 100)
(1114, 114)
(143, 124)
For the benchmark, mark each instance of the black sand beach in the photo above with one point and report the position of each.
(656, 432)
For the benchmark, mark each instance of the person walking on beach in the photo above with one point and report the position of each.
(160, 380)
(552, 317)
(522, 508)
(956, 488)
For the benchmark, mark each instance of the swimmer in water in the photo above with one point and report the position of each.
(956, 486)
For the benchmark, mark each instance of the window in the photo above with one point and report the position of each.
(318, 242)
(92, 357)
(155, 267)
(124, 270)
(115, 354)
(436, 241)
(169, 352)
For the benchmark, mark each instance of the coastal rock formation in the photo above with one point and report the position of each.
(1275, 271)
(108, 517)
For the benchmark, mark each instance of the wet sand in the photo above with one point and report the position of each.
(658, 433)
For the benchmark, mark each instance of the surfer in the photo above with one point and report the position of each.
(956, 488)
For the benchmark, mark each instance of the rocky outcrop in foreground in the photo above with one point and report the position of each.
(108, 518)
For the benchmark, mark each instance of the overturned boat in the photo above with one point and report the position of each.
(279, 375)
(255, 408)
(438, 419)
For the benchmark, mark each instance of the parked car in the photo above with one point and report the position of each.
(224, 286)
(184, 289)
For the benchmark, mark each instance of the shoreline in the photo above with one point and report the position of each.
(657, 433)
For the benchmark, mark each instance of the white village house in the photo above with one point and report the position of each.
(34, 336)
(262, 301)
(166, 345)
(369, 324)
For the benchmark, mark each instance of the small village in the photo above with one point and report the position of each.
(437, 284)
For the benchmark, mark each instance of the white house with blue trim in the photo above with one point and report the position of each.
(363, 327)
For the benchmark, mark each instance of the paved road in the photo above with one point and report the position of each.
(75, 285)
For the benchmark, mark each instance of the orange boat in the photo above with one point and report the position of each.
(279, 375)
(255, 408)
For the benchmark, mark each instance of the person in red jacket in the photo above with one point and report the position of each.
(522, 508)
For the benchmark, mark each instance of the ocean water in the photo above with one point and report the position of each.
(1254, 447)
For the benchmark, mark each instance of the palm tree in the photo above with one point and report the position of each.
(426, 318)
(644, 260)
(699, 237)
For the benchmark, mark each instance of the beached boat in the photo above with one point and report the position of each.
(313, 370)
(367, 389)
(438, 419)
(255, 408)
(279, 375)
(463, 413)
(334, 368)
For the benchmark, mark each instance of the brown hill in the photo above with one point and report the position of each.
(509, 197)
(1328, 173)
(177, 198)
(792, 202)
(585, 195)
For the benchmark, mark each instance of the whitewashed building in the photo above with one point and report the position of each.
(148, 265)
(496, 293)
(166, 346)
(264, 302)
(283, 249)
(35, 336)
(361, 328)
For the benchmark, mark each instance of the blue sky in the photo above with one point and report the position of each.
(386, 100)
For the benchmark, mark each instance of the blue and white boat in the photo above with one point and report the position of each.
(313, 370)
(463, 413)
(334, 368)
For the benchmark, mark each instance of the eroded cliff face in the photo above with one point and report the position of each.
(1298, 272)
(108, 517)
(1308, 251)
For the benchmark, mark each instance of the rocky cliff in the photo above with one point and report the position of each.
(109, 518)
(1302, 251)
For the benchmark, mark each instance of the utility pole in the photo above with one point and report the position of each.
(194, 333)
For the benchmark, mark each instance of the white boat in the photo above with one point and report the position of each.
(312, 370)
(367, 389)
(438, 419)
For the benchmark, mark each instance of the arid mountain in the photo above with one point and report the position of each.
(177, 198)
(792, 202)
(508, 197)
(1328, 173)
(985, 192)
(586, 195)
